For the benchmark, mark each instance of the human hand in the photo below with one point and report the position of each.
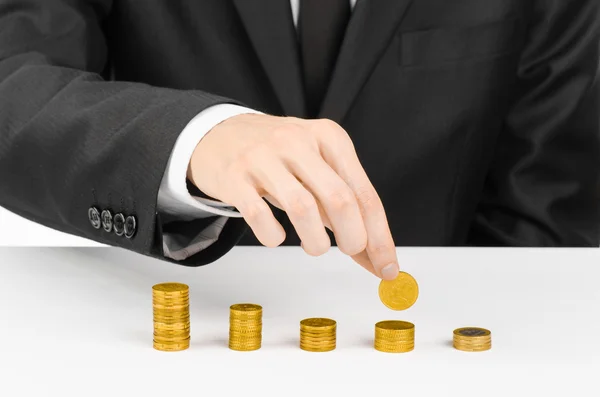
(307, 168)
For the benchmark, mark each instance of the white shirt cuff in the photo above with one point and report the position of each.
(173, 197)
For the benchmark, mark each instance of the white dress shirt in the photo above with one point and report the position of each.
(175, 199)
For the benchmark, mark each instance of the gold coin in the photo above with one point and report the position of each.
(168, 339)
(394, 350)
(400, 293)
(394, 345)
(171, 313)
(472, 332)
(246, 316)
(395, 334)
(171, 288)
(172, 330)
(168, 325)
(171, 323)
(243, 326)
(171, 309)
(245, 307)
(245, 343)
(163, 332)
(318, 346)
(180, 335)
(238, 328)
(166, 297)
(171, 326)
(317, 338)
(473, 348)
(321, 323)
(244, 348)
(394, 339)
(317, 349)
(473, 341)
(395, 342)
(175, 294)
(394, 325)
(245, 334)
(241, 322)
(161, 300)
(171, 347)
(171, 320)
(317, 335)
(170, 301)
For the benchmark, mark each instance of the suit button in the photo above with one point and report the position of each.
(130, 226)
(119, 224)
(107, 220)
(94, 217)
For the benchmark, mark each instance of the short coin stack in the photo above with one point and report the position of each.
(394, 336)
(318, 334)
(245, 327)
(171, 309)
(471, 339)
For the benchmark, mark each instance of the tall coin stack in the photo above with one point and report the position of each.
(470, 339)
(171, 308)
(245, 327)
(318, 334)
(394, 336)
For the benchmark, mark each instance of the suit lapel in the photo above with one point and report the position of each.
(270, 26)
(368, 35)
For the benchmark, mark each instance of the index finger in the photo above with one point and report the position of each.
(381, 249)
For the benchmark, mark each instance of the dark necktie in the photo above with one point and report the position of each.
(321, 27)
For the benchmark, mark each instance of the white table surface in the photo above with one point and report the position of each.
(78, 321)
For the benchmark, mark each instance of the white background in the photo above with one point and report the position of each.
(78, 322)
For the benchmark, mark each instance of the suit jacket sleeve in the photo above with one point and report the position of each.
(70, 140)
(543, 188)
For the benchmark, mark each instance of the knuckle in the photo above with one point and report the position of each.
(368, 199)
(379, 250)
(254, 211)
(329, 125)
(332, 130)
(300, 203)
(341, 199)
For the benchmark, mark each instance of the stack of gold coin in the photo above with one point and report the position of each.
(394, 336)
(318, 334)
(471, 339)
(171, 307)
(245, 327)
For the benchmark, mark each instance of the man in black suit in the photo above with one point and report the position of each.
(161, 126)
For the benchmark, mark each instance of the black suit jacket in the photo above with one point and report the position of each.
(477, 121)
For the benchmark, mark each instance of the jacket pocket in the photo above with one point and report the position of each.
(457, 44)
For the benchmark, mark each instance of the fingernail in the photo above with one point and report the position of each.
(389, 272)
